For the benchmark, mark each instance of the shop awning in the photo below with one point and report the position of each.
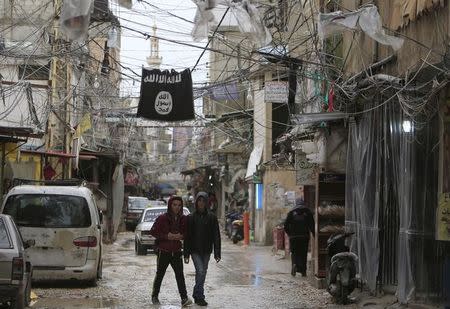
(49, 153)
(317, 117)
(254, 160)
(20, 132)
(87, 157)
(9, 139)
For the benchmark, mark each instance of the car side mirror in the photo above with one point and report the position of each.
(29, 243)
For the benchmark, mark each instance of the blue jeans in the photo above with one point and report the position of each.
(201, 266)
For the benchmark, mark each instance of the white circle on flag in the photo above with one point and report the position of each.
(163, 103)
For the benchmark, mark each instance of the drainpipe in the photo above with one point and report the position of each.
(2, 171)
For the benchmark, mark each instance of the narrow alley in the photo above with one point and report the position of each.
(243, 279)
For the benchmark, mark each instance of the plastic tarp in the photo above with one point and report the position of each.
(367, 18)
(391, 201)
(362, 196)
(254, 160)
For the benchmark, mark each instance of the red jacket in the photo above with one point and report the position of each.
(163, 225)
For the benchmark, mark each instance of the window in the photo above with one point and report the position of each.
(50, 211)
(34, 72)
(259, 195)
(5, 242)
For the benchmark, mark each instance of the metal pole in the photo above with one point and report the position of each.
(246, 228)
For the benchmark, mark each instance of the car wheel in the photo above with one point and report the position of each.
(92, 282)
(141, 250)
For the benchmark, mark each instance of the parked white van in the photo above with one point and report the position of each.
(66, 226)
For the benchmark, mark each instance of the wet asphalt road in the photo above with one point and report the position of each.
(245, 278)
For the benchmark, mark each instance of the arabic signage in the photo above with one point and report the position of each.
(166, 95)
(276, 92)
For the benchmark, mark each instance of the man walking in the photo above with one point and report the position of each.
(202, 238)
(169, 229)
(299, 223)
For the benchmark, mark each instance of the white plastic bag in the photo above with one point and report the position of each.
(367, 18)
(246, 14)
(250, 22)
(370, 23)
(75, 18)
(204, 19)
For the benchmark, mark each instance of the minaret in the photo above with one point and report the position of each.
(154, 61)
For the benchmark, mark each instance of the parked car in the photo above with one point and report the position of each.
(15, 268)
(135, 207)
(143, 240)
(66, 225)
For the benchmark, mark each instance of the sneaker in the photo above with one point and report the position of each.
(155, 300)
(201, 302)
(293, 270)
(186, 302)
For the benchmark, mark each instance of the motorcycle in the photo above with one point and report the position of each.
(341, 278)
(229, 219)
(237, 233)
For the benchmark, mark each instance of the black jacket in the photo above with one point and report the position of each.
(299, 223)
(203, 234)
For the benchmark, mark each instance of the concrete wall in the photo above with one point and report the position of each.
(276, 184)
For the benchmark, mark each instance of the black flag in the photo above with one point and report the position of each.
(166, 95)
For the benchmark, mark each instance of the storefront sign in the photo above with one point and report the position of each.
(276, 92)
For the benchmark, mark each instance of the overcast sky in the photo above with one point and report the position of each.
(135, 48)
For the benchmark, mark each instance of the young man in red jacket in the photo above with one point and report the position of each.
(169, 229)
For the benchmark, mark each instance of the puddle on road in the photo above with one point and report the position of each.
(243, 280)
(70, 303)
(86, 303)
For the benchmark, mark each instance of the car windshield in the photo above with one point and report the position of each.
(152, 214)
(157, 203)
(141, 203)
(52, 211)
(5, 242)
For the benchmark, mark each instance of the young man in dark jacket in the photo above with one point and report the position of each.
(169, 229)
(202, 238)
(299, 223)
